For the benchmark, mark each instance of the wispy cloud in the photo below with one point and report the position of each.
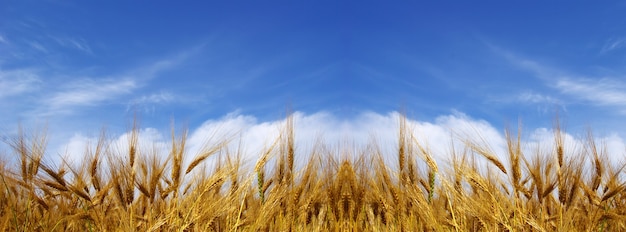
(73, 43)
(541, 71)
(155, 98)
(604, 91)
(87, 92)
(93, 91)
(37, 46)
(614, 44)
(536, 98)
(599, 91)
(149, 103)
(3, 40)
(543, 102)
(64, 93)
(16, 82)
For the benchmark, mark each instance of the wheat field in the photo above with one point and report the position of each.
(476, 190)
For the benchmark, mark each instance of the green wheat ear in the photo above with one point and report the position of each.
(431, 185)
(260, 180)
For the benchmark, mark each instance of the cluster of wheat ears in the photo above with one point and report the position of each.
(475, 191)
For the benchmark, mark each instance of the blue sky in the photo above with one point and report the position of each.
(78, 66)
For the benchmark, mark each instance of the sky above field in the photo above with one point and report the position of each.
(77, 66)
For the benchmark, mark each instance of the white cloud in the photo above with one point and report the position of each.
(90, 90)
(16, 82)
(74, 43)
(38, 46)
(76, 147)
(614, 44)
(86, 92)
(149, 140)
(614, 145)
(3, 40)
(536, 98)
(347, 134)
(602, 91)
(155, 98)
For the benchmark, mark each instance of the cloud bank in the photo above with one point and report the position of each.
(250, 137)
